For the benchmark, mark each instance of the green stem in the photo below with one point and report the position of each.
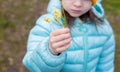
(65, 22)
(58, 21)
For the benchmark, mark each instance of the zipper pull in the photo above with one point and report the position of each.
(83, 27)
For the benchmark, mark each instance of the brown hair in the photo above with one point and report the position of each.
(93, 18)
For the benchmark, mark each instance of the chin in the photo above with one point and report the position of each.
(75, 15)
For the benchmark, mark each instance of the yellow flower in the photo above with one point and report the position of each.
(57, 14)
(47, 20)
(94, 2)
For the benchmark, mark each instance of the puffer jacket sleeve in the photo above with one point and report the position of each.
(38, 58)
(106, 60)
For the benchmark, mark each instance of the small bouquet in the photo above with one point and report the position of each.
(58, 16)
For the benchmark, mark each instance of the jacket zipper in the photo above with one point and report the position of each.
(85, 52)
(84, 45)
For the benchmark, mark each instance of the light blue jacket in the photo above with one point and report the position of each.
(90, 50)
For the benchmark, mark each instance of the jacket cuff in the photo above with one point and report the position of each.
(47, 56)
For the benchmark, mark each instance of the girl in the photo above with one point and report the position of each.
(72, 37)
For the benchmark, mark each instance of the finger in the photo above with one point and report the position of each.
(62, 43)
(61, 49)
(60, 37)
(60, 31)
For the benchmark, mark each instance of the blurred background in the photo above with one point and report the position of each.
(17, 17)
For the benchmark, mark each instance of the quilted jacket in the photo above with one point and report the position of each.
(91, 50)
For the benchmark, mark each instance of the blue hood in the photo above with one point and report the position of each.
(56, 4)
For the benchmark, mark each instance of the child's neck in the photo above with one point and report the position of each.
(80, 20)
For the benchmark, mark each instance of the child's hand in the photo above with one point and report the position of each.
(59, 40)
